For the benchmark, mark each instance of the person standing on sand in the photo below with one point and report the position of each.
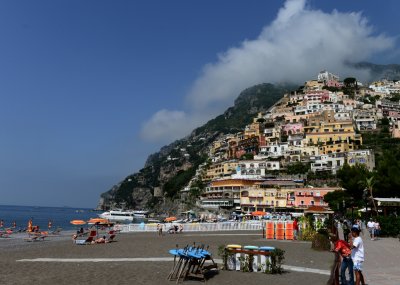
(295, 228)
(159, 229)
(343, 248)
(371, 229)
(357, 255)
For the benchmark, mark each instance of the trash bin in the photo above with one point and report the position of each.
(264, 264)
(233, 262)
(254, 265)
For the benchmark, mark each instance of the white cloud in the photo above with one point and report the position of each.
(294, 47)
(163, 124)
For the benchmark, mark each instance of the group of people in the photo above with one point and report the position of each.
(174, 229)
(351, 254)
(374, 229)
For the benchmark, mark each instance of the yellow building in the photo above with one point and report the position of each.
(221, 169)
(313, 85)
(330, 135)
(225, 193)
(268, 196)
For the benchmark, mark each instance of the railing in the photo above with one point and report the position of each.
(193, 227)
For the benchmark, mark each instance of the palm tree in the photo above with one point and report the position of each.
(369, 185)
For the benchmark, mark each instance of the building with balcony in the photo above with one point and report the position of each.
(330, 135)
(224, 193)
(221, 169)
(306, 197)
(363, 156)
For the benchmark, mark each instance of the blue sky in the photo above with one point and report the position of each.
(89, 89)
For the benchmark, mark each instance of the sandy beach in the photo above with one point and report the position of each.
(127, 260)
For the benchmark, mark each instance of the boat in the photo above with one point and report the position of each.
(140, 213)
(117, 216)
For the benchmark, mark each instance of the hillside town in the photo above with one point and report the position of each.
(315, 129)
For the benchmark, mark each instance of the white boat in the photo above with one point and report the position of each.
(117, 216)
(140, 213)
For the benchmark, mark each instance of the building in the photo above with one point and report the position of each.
(331, 135)
(224, 193)
(306, 197)
(364, 156)
(221, 169)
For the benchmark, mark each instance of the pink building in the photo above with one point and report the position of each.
(293, 128)
(334, 83)
(317, 96)
(306, 197)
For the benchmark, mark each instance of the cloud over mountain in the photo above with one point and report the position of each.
(299, 43)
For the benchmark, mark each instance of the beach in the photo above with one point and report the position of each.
(142, 258)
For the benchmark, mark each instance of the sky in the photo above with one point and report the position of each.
(88, 89)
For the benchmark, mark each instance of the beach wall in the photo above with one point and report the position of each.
(193, 227)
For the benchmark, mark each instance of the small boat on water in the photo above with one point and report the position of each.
(117, 216)
(140, 213)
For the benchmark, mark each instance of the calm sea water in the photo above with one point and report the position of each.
(60, 216)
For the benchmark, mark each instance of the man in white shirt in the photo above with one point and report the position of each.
(357, 255)
(371, 228)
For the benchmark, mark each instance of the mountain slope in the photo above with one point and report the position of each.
(175, 164)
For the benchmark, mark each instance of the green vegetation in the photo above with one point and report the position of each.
(251, 101)
(298, 168)
(176, 183)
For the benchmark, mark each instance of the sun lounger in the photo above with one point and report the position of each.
(36, 236)
(88, 240)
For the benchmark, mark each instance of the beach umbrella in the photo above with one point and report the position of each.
(98, 221)
(78, 222)
(258, 213)
(170, 219)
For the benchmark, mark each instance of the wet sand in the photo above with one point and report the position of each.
(144, 245)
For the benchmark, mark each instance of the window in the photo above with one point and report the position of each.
(302, 202)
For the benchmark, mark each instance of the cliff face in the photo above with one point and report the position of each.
(175, 164)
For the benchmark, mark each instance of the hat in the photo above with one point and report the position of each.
(355, 229)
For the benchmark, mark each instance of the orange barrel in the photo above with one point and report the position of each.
(289, 230)
(270, 230)
(280, 230)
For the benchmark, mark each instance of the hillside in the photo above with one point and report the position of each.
(175, 164)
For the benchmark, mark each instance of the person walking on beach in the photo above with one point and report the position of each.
(159, 229)
(371, 229)
(295, 228)
(30, 228)
(357, 255)
(343, 249)
(377, 231)
(346, 231)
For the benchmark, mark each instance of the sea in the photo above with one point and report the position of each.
(60, 217)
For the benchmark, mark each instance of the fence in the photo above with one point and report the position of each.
(193, 227)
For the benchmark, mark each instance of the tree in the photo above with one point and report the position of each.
(350, 82)
(335, 199)
(298, 168)
(369, 183)
(350, 177)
